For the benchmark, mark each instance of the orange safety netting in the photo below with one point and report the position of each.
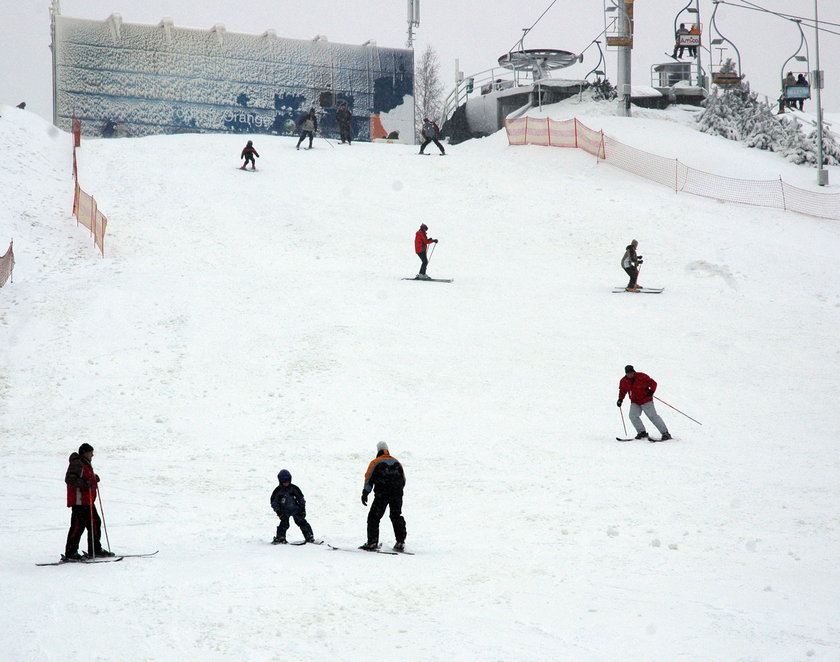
(84, 205)
(670, 172)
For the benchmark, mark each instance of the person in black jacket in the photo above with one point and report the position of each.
(307, 126)
(386, 478)
(287, 501)
(248, 153)
(344, 119)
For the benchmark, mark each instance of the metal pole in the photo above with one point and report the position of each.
(817, 80)
(624, 78)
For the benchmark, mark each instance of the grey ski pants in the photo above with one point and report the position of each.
(650, 411)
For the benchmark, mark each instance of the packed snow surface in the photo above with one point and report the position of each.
(245, 322)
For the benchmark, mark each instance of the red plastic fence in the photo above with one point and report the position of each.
(670, 172)
(84, 205)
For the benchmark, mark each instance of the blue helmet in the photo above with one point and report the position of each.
(284, 476)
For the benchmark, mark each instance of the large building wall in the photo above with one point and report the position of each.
(137, 80)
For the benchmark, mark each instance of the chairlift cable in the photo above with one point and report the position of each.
(808, 21)
(527, 30)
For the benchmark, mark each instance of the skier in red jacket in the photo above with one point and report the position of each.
(641, 388)
(420, 243)
(81, 498)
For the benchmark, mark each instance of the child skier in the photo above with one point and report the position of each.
(287, 501)
(248, 153)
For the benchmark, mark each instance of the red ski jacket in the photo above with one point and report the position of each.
(81, 482)
(421, 241)
(640, 388)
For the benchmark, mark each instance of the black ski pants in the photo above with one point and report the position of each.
(80, 520)
(633, 272)
(304, 135)
(346, 133)
(300, 520)
(435, 141)
(381, 501)
(424, 260)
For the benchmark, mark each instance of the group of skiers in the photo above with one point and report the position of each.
(308, 127)
(384, 477)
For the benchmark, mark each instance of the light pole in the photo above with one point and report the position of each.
(817, 77)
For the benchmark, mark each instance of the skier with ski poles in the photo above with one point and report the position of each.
(421, 240)
(81, 499)
(307, 126)
(631, 262)
(641, 388)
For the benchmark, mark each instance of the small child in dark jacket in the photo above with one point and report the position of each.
(248, 153)
(287, 501)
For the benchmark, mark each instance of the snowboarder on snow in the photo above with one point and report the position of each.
(431, 133)
(344, 118)
(641, 389)
(287, 501)
(307, 126)
(420, 243)
(386, 478)
(630, 263)
(248, 153)
(81, 499)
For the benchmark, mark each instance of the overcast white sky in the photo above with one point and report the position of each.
(475, 31)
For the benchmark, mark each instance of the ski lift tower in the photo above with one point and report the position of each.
(413, 21)
(620, 35)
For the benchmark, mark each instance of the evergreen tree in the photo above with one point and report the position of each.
(736, 114)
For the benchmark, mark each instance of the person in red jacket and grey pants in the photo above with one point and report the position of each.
(420, 243)
(641, 389)
(81, 498)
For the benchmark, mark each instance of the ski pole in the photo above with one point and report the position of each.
(677, 410)
(91, 541)
(623, 424)
(321, 135)
(104, 526)
(432, 252)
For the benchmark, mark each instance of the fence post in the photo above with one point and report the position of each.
(576, 135)
(782, 187)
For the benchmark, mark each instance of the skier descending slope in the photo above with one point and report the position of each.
(420, 243)
(641, 389)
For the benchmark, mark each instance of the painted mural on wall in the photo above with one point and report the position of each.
(135, 80)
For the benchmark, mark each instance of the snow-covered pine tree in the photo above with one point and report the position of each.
(603, 90)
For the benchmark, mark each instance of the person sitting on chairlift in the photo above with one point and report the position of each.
(677, 45)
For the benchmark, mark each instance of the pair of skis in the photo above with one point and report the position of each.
(100, 559)
(377, 550)
(634, 439)
(639, 290)
(432, 280)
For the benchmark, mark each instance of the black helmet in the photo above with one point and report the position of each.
(424, 227)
